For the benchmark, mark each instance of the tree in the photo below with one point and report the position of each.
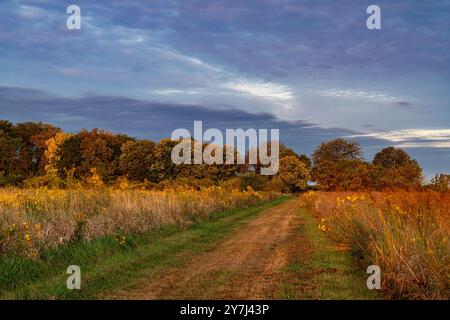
(34, 136)
(6, 126)
(137, 160)
(344, 175)
(339, 165)
(254, 181)
(293, 173)
(441, 182)
(69, 157)
(51, 154)
(163, 166)
(9, 156)
(394, 168)
(285, 151)
(87, 150)
(335, 150)
(391, 157)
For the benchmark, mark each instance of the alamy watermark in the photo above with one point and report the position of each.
(374, 280)
(74, 280)
(254, 144)
(373, 22)
(74, 20)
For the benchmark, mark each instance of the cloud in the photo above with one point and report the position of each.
(415, 138)
(265, 90)
(149, 119)
(367, 95)
(403, 103)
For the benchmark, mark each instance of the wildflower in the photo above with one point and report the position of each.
(27, 237)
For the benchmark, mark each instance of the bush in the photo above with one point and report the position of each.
(44, 182)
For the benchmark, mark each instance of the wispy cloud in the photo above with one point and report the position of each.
(265, 90)
(414, 138)
(174, 91)
(368, 95)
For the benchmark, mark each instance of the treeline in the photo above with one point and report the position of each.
(35, 154)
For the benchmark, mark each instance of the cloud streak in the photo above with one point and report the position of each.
(415, 138)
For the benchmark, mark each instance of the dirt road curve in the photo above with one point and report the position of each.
(244, 266)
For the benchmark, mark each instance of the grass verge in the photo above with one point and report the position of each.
(321, 269)
(106, 265)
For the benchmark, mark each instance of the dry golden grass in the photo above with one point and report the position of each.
(405, 233)
(34, 219)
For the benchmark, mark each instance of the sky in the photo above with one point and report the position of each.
(310, 68)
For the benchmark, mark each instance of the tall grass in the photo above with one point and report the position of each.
(34, 219)
(405, 233)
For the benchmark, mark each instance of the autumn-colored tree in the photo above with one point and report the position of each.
(20, 155)
(95, 152)
(339, 165)
(344, 175)
(51, 154)
(34, 136)
(394, 168)
(163, 166)
(391, 158)
(293, 173)
(335, 150)
(6, 126)
(254, 181)
(137, 160)
(440, 182)
(87, 150)
(9, 146)
(69, 157)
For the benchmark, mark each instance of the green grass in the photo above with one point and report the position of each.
(105, 265)
(323, 271)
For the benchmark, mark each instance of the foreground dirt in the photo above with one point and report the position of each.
(247, 265)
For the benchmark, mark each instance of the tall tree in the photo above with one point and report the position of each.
(9, 159)
(335, 150)
(34, 136)
(335, 164)
(394, 168)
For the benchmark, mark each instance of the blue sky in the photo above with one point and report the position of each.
(310, 68)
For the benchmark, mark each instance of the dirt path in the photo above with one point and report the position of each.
(245, 266)
(278, 254)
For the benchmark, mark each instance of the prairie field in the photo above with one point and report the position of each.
(327, 239)
(32, 220)
(405, 233)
